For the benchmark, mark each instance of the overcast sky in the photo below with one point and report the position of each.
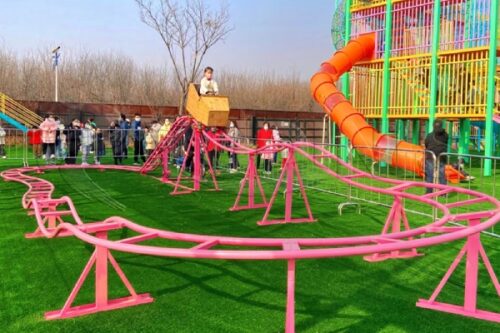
(269, 35)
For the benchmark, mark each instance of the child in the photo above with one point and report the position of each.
(49, 129)
(208, 86)
(234, 134)
(62, 143)
(86, 140)
(100, 148)
(276, 138)
(212, 149)
(460, 167)
(35, 140)
(2, 142)
(155, 131)
(150, 141)
(164, 129)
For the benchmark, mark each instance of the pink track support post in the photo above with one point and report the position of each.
(290, 289)
(396, 215)
(473, 249)
(51, 217)
(251, 178)
(199, 147)
(99, 260)
(165, 177)
(290, 169)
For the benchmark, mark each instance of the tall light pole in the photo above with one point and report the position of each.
(55, 63)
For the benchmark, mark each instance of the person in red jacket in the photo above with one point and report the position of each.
(212, 149)
(35, 139)
(264, 135)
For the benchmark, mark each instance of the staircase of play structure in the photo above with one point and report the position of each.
(17, 114)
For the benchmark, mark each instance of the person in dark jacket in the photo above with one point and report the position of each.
(138, 140)
(124, 125)
(100, 147)
(73, 132)
(189, 152)
(115, 139)
(437, 143)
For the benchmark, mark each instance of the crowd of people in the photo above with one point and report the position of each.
(53, 141)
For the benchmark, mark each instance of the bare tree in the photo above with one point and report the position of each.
(188, 32)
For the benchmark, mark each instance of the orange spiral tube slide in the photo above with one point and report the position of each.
(351, 122)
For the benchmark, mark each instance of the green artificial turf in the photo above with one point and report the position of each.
(332, 295)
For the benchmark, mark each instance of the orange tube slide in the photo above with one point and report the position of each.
(352, 123)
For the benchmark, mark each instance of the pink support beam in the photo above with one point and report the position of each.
(473, 250)
(397, 215)
(199, 148)
(99, 260)
(290, 169)
(290, 290)
(251, 178)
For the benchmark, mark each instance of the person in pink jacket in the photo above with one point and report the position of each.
(49, 129)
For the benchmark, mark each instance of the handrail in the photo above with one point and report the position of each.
(18, 112)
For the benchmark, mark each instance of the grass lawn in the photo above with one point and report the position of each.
(332, 295)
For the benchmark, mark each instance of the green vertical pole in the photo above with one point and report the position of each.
(400, 129)
(386, 74)
(464, 124)
(490, 98)
(450, 135)
(345, 78)
(464, 137)
(415, 132)
(436, 20)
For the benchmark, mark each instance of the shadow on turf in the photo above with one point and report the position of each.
(372, 298)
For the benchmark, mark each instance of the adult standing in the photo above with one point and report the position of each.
(124, 125)
(234, 134)
(264, 135)
(116, 142)
(437, 143)
(138, 139)
(73, 133)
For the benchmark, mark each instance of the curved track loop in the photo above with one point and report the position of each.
(437, 232)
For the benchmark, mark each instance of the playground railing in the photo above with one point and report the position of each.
(472, 170)
(13, 147)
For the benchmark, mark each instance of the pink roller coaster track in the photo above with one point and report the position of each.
(50, 214)
(397, 239)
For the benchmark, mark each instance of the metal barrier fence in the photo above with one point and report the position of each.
(108, 147)
(471, 167)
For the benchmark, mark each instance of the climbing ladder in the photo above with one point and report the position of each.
(17, 114)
